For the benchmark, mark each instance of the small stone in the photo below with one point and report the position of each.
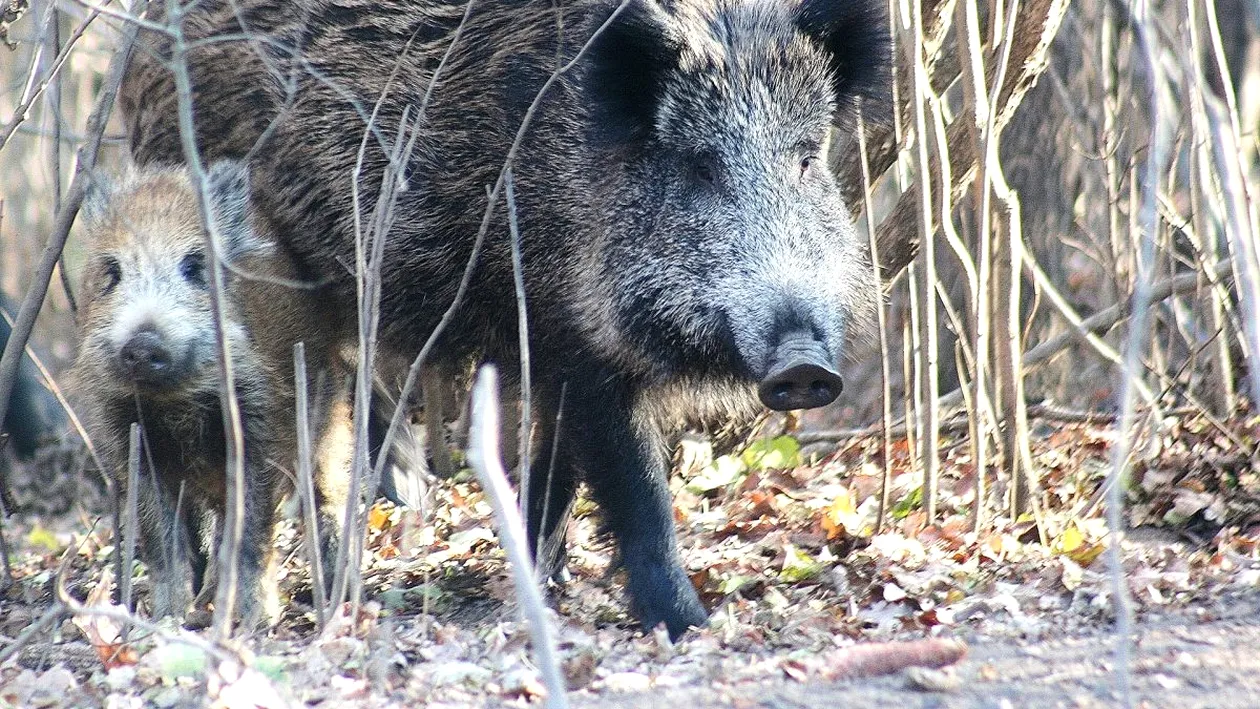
(120, 678)
(627, 682)
(926, 679)
(450, 673)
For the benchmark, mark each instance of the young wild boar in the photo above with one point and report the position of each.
(148, 354)
(686, 252)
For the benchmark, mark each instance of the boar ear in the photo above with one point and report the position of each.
(855, 34)
(100, 189)
(625, 70)
(227, 190)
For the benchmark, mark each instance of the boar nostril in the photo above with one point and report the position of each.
(800, 377)
(800, 385)
(145, 358)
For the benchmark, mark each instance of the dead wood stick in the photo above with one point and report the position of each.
(130, 516)
(875, 659)
(306, 483)
(483, 454)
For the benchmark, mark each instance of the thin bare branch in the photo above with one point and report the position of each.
(1144, 258)
(234, 432)
(306, 483)
(522, 320)
(47, 79)
(84, 169)
(881, 315)
(483, 454)
(131, 515)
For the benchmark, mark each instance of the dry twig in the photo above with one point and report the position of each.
(483, 454)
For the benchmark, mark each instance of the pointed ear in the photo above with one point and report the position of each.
(855, 34)
(625, 69)
(100, 189)
(227, 190)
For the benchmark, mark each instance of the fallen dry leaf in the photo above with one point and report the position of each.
(105, 634)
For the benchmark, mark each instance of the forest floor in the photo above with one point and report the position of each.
(782, 544)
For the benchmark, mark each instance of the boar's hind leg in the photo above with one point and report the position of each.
(626, 467)
(552, 486)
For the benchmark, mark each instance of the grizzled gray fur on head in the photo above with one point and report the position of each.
(733, 232)
(685, 250)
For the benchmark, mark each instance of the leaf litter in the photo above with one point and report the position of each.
(783, 546)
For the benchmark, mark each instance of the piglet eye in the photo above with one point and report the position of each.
(111, 275)
(193, 269)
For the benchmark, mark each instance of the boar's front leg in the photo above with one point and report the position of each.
(165, 543)
(624, 458)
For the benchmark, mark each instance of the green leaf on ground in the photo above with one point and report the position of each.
(773, 454)
(798, 565)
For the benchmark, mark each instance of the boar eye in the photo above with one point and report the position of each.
(704, 168)
(111, 274)
(809, 162)
(193, 269)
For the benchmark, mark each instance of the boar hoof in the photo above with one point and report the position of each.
(664, 595)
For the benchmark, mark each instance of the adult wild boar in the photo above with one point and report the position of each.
(685, 249)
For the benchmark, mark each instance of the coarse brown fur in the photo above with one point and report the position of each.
(145, 277)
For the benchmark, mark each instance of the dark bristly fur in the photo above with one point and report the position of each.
(677, 219)
(145, 278)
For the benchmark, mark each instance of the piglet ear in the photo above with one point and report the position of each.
(626, 67)
(855, 34)
(227, 190)
(100, 189)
